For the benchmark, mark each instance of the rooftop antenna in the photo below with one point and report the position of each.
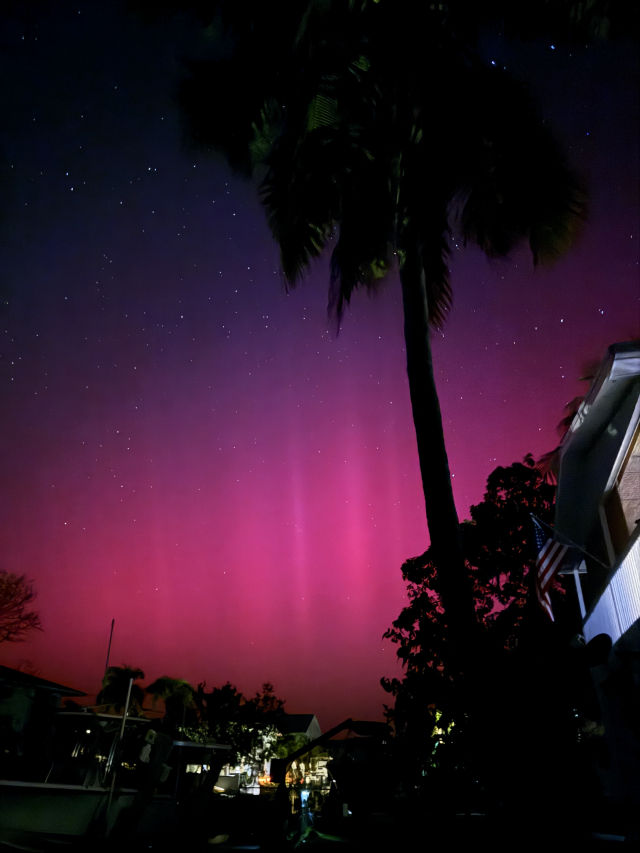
(106, 666)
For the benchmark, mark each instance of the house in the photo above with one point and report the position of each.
(305, 725)
(27, 708)
(283, 735)
(598, 510)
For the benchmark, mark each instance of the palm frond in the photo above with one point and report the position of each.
(549, 465)
(517, 182)
(299, 193)
(438, 284)
(364, 252)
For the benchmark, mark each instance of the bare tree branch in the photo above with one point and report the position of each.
(16, 617)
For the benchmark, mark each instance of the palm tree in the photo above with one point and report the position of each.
(179, 701)
(115, 687)
(375, 128)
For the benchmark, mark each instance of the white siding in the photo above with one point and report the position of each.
(619, 605)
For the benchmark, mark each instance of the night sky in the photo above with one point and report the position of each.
(189, 449)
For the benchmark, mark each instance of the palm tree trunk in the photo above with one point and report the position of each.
(442, 517)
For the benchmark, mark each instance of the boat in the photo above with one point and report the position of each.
(98, 776)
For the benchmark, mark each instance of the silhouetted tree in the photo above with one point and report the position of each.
(115, 685)
(500, 556)
(181, 709)
(249, 726)
(16, 616)
(266, 704)
(522, 724)
(373, 127)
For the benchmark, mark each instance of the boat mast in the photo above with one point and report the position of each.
(106, 666)
(115, 748)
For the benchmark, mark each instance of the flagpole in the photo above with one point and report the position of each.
(576, 567)
(576, 577)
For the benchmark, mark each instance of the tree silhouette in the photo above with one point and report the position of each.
(266, 703)
(374, 128)
(522, 724)
(179, 701)
(16, 616)
(115, 686)
(249, 726)
(500, 557)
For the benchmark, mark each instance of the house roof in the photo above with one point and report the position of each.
(594, 446)
(17, 678)
(364, 729)
(290, 724)
(618, 372)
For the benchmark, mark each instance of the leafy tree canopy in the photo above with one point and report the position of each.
(499, 553)
(531, 680)
(223, 714)
(249, 725)
(500, 556)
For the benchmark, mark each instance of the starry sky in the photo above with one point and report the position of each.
(192, 451)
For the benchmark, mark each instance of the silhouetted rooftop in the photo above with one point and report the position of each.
(17, 678)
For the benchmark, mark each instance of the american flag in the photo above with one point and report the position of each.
(550, 557)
